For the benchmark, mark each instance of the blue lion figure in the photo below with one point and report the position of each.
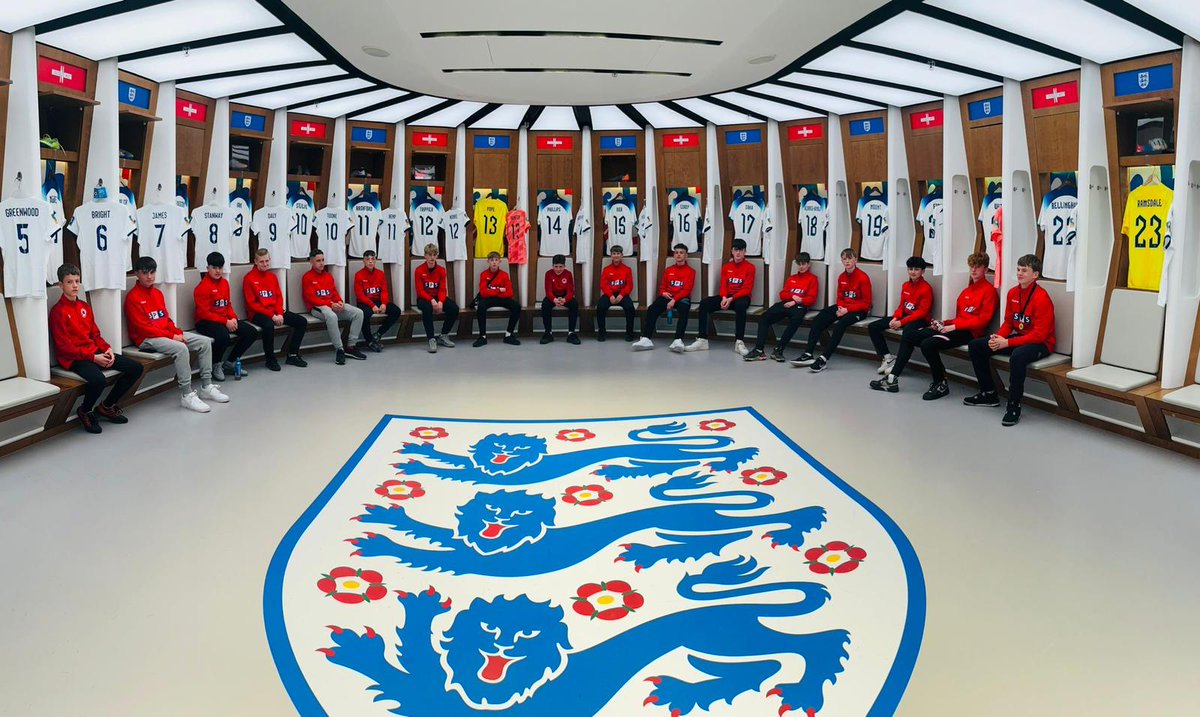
(521, 459)
(513, 533)
(514, 654)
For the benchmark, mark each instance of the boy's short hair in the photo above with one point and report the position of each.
(617, 249)
(679, 246)
(1032, 261)
(68, 270)
(493, 255)
(315, 253)
(979, 259)
(368, 253)
(916, 262)
(261, 252)
(738, 244)
(848, 253)
(215, 259)
(558, 259)
(802, 258)
(145, 264)
(430, 249)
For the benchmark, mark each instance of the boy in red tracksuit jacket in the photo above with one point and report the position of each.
(323, 300)
(216, 319)
(560, 292)
(674, 294)
(79, 347)
(265, 309)
(430, 284)
(737, 281)
(151, 329)
(496, 290)
(798, 295)
(853, 303)
(616, 285)
(912, 315)
(370, 289)
(975, 308)
(1027, 335)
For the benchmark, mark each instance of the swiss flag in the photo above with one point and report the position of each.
(430, 139)
(308, 130)
(193, 111)
(927, 119)
(800, 133)
(1066, 93)
(555, 143)
(690, 139)
(61, 74)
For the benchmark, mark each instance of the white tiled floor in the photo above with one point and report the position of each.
(1059, 560)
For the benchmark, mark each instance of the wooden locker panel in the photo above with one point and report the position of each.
(805, 161)
(491, 170)
(631, 151)
(866, 161)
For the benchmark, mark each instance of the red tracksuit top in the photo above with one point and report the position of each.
(370, 287)
(1028, 319)
(262, 294)
(616, 280)
(318, 289)
(211, 299)
(801, 288)
(495, 286)
(431, 283)
(74, 332)
(737, 279)
(677, 282)
(976, 306)
(854, 291)
(560, 286)
(916, 302)
(146, 313)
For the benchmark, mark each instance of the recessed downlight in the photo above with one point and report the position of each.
(761, 59)
(375, 51)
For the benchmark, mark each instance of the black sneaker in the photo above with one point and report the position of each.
(512, 340)
(804, 359)
(112, 414)
(755, 355)
(356, 353)
(375, 346)
(601, 336)
(1012, 416)
(87, 419)
(937, 389)
(887, 383)
(819, 365)
(630, 336)
(273, 365)
(983, 398)
(481, 341)
(573, 338)
(777, 355)
(339, 358)
(546, 338)
(295, 360)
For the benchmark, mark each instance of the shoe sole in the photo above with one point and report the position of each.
(642, 348)
(982, 405)
(928, 397)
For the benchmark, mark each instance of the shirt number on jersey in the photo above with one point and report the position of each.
(1155, 225)
(555, 225)
(102, 238)
(333, 232)
(619, 225)
(490, 225)
(812, 227)
(212, 234)
(23, 238)
(1059, 238)
(391, 232)
(747, 223)
(427, 228)
(685, 224)
(875, 225)
(364, 225)
(161, 228)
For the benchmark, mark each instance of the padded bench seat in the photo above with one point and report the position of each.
(1111, 377)
(61, 372)
(1188, 397)
(1040, 364)
(18, 391)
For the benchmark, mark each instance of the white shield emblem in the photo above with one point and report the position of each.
(491, 141)
(132, 93)
(369, 133)
(616, 141)
(503, 568)
(247, 119)
(987, 107)
(742, 136)
(866, 125)
(1143, 80)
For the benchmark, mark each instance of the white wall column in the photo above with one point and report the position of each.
(712, 272)
(902, 231)
(958, 218)
(336, 194)
(1094, 227)
(102, 166)
(584, 251)
(399, 199)
(1020, 219)
(839, 231)
(779, 266)
(460, 200)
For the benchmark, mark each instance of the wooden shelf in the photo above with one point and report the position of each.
(239, 174)
(1151, 100)
(62, 155)
(1147, 160)
(130, 163)
(127, 112)
(67, 97)
(304, 178)
(370, 147)
(366, 180)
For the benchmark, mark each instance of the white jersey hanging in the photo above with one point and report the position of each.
(1058, 220)
(768, 236)
(583, 237)
(685, 223)
(27, 234)
(213, 229)
(709, 253)
(931, 218)
(455, 224)
(813, 217)
(332, 224)
(302, 225)
(746, 216)
(162, 235)
(366, 218)
(393, 224)
(873, 216)
(554, 230)
(426, 220)
(102, 233)
(273, 225)
(240, 217)
(620, 221)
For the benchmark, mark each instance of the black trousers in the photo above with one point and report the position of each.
(449, 314)
(738, 306)
(93, 377)
(827, 318)
(683, 308)
(572, 307)
(932, 344)
(605, 303)
(221, 337)
(267, 328)
(486, 302)
(391, 315)
(778, 312)
(876, 331)
(1022, 356)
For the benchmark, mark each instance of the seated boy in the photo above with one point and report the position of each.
(495, 289)
(798, 295)
(322, 299)
(674, 294)
(216, 319)
(430, 279)
(853, 303)
(975, 308)
(560, 292)
(370, 288)
(1027, 335)
(916, 306)
(80, 348)
(265, 309)
(616, 284)
(737, 281)
(151, 329)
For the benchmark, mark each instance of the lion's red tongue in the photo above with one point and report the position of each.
(493, 530)
(495, 668)
(500, 458)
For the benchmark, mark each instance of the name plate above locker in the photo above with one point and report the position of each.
(989, 108)
(743, 136)
(865, 127)
(133, 95)
(248, 121)
(625, 141)
(492, 141)
(369, 135)
(1148, 79)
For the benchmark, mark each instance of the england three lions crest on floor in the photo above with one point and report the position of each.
(696, 564)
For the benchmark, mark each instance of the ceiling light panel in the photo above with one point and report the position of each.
(242, 84)
(1178, 14)
(20, 15)
(873, 65)
(925, 36)
(829, 103)
(264, 52)
(170, 23)
(661, 117)
(609, 117)
(716, 114)
(556, 118)
(348, 105)
(503, 117)
(298, 95)
(774, 110)
(398, 112)
(866, 90)
(1077, 27)
(453, 115)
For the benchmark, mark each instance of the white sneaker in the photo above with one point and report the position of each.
(677, 346)
(739, 347)
(697, 345)
(212, 392)
(886, 366)
(643, 344)
(192, 402)
(433, 346)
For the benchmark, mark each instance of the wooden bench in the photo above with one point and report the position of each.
(25, 404)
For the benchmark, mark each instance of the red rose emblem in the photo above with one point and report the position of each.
(764, 475)
(834, 557)
(717, 424)
(428, 433)
(575, 435)
(611, 600)
(400, 489)
(586, 495)
(352, 586)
